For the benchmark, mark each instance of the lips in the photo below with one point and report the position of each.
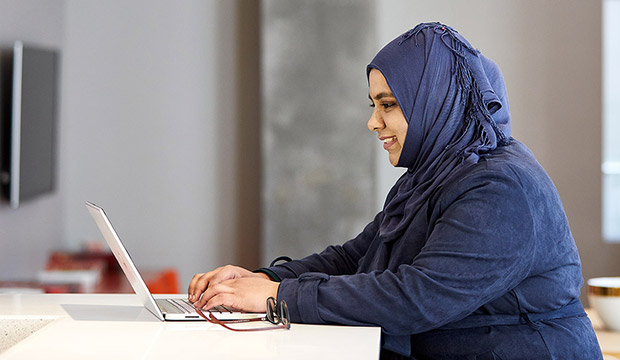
(388, 141)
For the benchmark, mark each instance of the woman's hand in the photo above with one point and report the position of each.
(200, 282)
(247, 294)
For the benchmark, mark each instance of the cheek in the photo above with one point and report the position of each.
(398, 125)
(402, 133)
(402, 130)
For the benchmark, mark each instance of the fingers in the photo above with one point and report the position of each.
(248, 294)
(191, 289)
(216, 295)
(229, 272)
(200, 282)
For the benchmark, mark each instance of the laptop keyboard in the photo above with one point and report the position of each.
(183, 306)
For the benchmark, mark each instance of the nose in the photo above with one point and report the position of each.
(375, 123)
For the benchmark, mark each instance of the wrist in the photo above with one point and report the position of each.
(270, 274)
(274, 293)
(263, 275)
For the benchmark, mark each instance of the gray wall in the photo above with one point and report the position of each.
(28, 233)
(149, 114)
(147, 130)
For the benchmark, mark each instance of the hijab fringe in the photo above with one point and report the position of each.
(467, 83)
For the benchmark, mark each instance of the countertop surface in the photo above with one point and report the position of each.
(116, 326)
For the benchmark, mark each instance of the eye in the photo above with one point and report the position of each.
(388, 105)
(372, 105)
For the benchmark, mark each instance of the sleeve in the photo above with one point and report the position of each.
(480, 246)
(334, 260)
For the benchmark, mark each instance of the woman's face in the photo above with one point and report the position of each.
(387, 119)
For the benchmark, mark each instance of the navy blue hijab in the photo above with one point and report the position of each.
(455, 103)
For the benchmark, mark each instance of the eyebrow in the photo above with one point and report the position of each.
(382, 95)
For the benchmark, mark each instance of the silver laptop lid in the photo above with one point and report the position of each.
(123, 258)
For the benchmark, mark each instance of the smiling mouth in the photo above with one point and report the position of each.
(388, 142)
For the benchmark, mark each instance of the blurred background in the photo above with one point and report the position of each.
(216, 132)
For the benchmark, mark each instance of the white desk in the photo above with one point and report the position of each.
(106, 326)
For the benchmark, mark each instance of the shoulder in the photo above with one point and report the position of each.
(508, 171)
(514, 161)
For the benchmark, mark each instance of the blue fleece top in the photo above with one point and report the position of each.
(494, 240)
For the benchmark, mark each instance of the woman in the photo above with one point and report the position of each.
(472, 256)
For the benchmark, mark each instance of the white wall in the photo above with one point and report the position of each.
(28, 233)
(147, 128)
(550, 54)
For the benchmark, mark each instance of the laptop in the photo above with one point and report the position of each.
(173, 308)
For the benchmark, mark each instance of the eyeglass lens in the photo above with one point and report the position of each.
(277, 313)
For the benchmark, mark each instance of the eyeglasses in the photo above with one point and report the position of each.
(277, 314)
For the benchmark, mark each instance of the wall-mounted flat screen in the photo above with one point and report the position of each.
(29, 96)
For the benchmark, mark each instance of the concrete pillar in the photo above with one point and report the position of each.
(318, 156)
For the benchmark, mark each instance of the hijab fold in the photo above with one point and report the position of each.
(451, 97)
